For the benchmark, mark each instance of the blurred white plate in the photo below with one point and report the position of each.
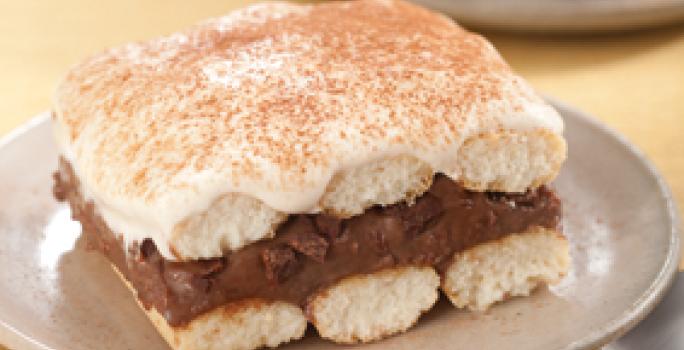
(561, 15)
(618, 215)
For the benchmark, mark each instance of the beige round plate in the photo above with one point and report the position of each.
(619, 217)
(561, 15)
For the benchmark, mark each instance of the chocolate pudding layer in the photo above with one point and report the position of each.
(312, 251)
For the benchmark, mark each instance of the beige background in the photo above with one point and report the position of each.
(632, 81)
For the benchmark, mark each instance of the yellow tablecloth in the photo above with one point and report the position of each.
(632, 81)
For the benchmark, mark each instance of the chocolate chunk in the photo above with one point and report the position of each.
(309, 244)
(468, 203)
(494, 197)
(58, 189)
(304, 239)
(527, 200)
(147, 249)
(384, 261)
(185, 277)
(328, 225)
(212, 267)
(279, 262)
(379, 241)
(202, 268)
(486, 220)
(183, 281)
(417, 215)
(354, 245)
(490, 218)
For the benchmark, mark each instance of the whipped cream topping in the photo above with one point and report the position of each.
(272, 101)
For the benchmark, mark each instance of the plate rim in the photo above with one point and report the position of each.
(663, 281)
(12, 337)
(559, 16)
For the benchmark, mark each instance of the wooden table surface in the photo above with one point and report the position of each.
(632, 81)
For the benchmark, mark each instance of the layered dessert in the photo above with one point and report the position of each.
(335, 164)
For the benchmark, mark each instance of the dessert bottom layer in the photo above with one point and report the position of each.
(313, 251)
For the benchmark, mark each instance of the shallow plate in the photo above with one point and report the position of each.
(662, 329)
(618, 216)
(561, 15)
